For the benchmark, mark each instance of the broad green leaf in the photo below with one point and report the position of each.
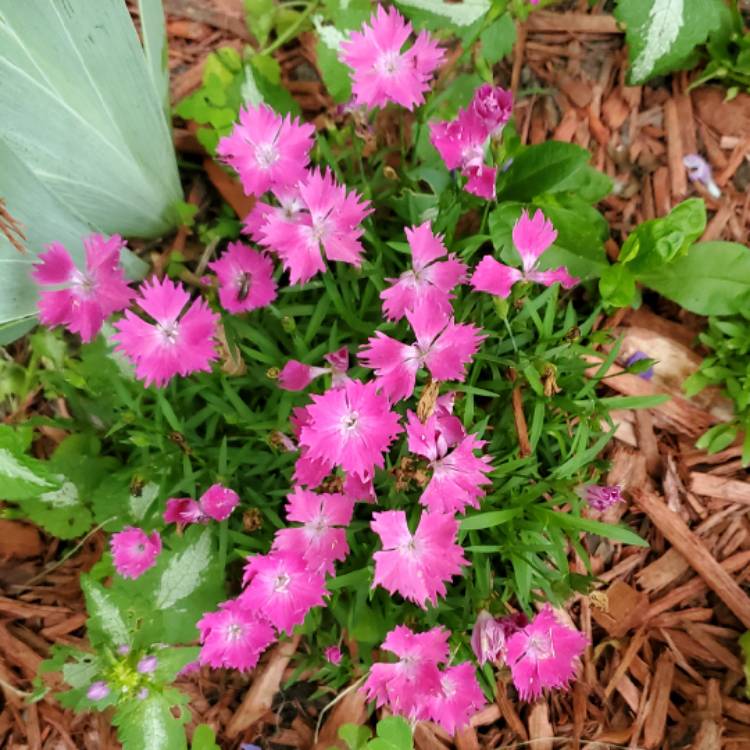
(260, 16)
(459, 14)
(354, 735)
(541, 169)
(498, 39)
(105, 615)
(22, 476)
(185, 572)
(336, 75)
(149, 724)
(713, 278)
(204, 738)
(617, 286)
(154, 35)
(393, 733)
(662, 34)
(81, 111)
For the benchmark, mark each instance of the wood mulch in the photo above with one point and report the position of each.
(663, 669)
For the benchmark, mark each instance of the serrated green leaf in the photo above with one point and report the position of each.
(105, 616)
(149, 724)
(498, 39)
(185, 572)
(459, 14)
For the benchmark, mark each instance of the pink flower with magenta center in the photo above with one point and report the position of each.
(351, 426)
(430, 281)
(416, 565)
(532, 238)
(82, 300)
(493, 105)
(245, 278)
(134, 551)
(216, 503)
(544, 654)
(266, 149)
(321, 539)
(442, 346)
(328, 224)
(177, 340)
(383, 70)
(458, 699)
(407, 684)
(457, 475)
(233, 637)
(282, 588)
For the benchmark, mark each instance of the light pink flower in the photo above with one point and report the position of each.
(295, 375)
(282, 588)
(97, 690)
(532, 237)
(544, 654)
(442, 346)
(407, 685)
(462, 143)
(457, 475)
(416, 565)
(493, 105)
(321, 539)
(233, 637)
(351, 426)
(383, 70)
(134, 551)
(328, 224)
(267, 150)
(180, 340)
(82, 300)
(458, 699)
(490, 635)
(333, 655)
(245, 278)
(430, 281)
(216, 503)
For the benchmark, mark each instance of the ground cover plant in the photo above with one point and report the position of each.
(373, 416)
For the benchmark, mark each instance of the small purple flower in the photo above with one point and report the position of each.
(97, 690)
(699, 170)
(602, 496)
(147, 664)
(123, 649)
(638, 357)
(142, 694)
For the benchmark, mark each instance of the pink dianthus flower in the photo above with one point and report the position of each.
(333, 655)
(216, 503)
(282, 588)
(351, 426)
(267, 150)
(458, 698)
(463, 143)
(295, 375)
(321, 539)
(245, 278)
(328, 224)
(383, 70)
(442, 346)
(544, 654)
(233, 637)
(82, 300)
(493, 105)
(134, 551)
(416, 565)
(430, 280)
(180, 340)
(407, 684)
(532, 237)
(457, 474)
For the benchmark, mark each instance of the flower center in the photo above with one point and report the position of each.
(541, 647)
(349, 421)
(234, 632)
(83, 284)
(281, 583)
(169, 331)
(140, 548)
(266, 154)
(388, 63)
